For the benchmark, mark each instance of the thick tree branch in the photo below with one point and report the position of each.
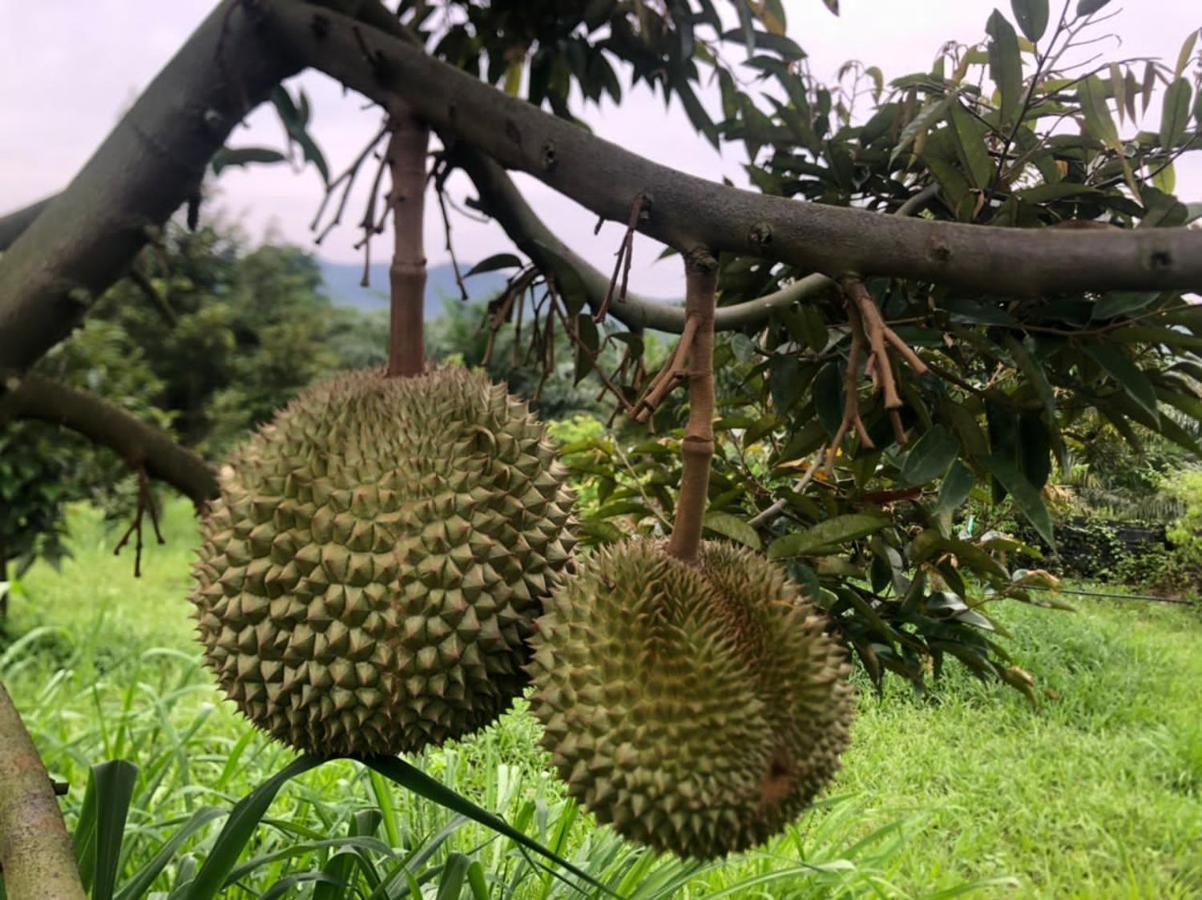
(35, 851)
(14, 224)
(501, 199)
(688, 212)
(105, 423)
(151, 163)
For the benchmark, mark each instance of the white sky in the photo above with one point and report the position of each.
(69, 69)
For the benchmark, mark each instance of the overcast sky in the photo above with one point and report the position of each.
(69, 69)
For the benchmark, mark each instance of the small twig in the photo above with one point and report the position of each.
(851, 393)
(672, 374)
(776, 508)
(440, 190)
(145, 503)
(609, 385)
(348, 176)
(624, 256)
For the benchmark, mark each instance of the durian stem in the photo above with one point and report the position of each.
(697, 448)
(407, 275)
(35, 851)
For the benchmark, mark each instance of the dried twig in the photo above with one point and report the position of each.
(624, 256)
(851, 398)
(440, 179)
(145, 503)
(672, 374)
(776, 508)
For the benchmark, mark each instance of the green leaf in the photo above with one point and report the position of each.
(1089, 7)
(1032, 17)
(589, 342)
(970, 135)
(239, 827)
(418, 782)
(930, 457)
(1026, 496)
(827, 535)
(493, 263)
(142, 880)
(244, 156)
(1005, 64)
(1187, 50)
(929, 116)
(1174, 117)
(1130, 378)
(956, 486)
(454, 873)
(114, 787)
(732, 527)
(1121, 303)
(1098, 120)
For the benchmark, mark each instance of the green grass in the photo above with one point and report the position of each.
(1097, 792)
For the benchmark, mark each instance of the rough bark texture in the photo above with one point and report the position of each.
(697, 447)
(689, 212)
(407, 274)
(35, 851)
(107, 424)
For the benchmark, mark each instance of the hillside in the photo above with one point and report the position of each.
(343, 287)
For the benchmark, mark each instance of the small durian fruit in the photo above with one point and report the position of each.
(696, 708)
(369, 578)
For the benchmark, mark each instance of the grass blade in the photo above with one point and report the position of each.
(239, 827)
(423, 785)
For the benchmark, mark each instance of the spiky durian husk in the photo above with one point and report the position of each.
(369, 577)
(698, 709)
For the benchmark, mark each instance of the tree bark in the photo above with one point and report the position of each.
(14, 224)
(697, 447)
(689, 212)
(35, 851)
(107, 424)
(407, 274)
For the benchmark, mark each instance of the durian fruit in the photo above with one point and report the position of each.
(696, 708)
(369, 578)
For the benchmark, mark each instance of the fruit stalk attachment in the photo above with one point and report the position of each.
(697, 448)
(406, 156)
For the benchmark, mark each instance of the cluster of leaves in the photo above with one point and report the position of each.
(1009, 132)
(553, 47)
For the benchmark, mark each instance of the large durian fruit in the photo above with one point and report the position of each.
(698, 708)
(370, 576)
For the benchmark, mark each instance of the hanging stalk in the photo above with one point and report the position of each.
(407, 275)
(35, 852)
(697, 448)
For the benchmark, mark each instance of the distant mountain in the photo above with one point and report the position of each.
(342, 285)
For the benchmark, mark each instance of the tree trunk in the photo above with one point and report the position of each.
(35, 851)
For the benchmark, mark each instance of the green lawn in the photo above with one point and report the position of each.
(1095, 793)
